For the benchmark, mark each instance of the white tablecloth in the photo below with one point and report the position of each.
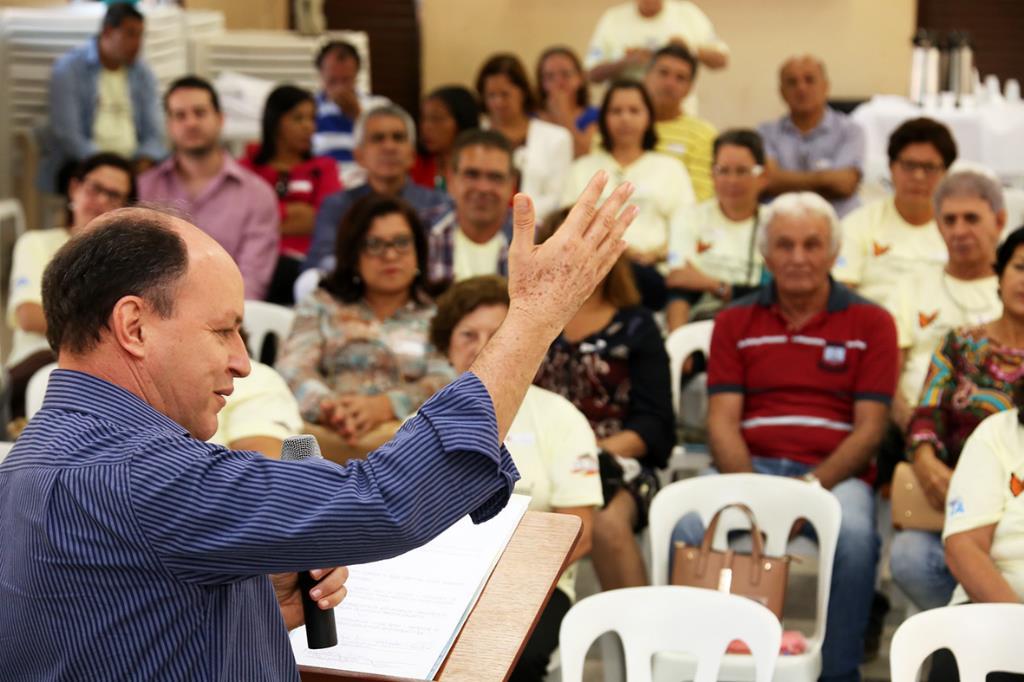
(992, 135)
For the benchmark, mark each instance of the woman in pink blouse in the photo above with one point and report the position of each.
(283, 158)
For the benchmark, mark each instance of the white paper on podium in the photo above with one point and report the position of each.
(402, 615)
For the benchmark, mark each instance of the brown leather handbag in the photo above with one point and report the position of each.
(756, 576)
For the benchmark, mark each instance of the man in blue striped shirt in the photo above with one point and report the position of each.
(134, 550)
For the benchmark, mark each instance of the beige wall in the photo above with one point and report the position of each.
(248, 14)
(866, 44)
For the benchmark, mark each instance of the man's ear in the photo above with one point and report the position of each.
(127, 323)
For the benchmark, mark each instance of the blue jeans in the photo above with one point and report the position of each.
(918, 566)
(853, 573)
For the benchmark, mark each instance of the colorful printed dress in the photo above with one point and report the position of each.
(969, 378)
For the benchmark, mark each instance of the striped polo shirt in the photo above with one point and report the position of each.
(133, 551)
(690, 139)
(799, 386)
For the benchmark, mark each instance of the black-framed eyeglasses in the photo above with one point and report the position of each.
(931, 169)
(379, 247)
(95, 189)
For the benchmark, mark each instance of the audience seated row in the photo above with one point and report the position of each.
(838, 348)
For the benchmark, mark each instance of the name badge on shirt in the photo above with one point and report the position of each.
(833, 357)
(300, 186)
(520, 438)
(676, 148)
(822, 164)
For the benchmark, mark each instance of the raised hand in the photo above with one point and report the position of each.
(548, 283)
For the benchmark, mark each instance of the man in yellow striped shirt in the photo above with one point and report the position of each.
(669, 80)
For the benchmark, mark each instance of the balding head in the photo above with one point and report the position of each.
(151, 303)
(126, 252)
(803, 84)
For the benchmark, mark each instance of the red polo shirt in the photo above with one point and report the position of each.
(799, 386)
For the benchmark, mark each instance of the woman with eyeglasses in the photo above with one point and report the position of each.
(896, 237)
(101, 183)
(712, 254)
(358, 355)
(284, 159)
(663, 187)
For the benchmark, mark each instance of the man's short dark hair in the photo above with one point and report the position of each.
(192, 82)
(923, 131)
(740, 137)
(340, 49)
(679, 52)
(118, 13)
(133, 253)
(479, 137)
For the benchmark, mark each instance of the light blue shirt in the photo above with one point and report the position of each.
(72, 99)
(837, 142)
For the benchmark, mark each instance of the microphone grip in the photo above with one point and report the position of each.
(321, 631)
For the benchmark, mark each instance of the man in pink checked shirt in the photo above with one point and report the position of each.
(231, 204)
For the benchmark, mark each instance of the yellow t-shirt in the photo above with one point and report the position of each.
(927, 307)
(471, 259)
(704, 237)
(32, 253)
(555, 451)
(260, 405)
(690, 140)
(662, 188)
(113, 127)
(880, 248)
(986, 489)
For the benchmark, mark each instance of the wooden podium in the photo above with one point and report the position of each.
(503, 619)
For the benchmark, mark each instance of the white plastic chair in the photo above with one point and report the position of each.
(10, 209)
(264, 319)
(36, 389)
(681, 344)
(983, 638)
(684, 619)
(306, 283)
(777, 502)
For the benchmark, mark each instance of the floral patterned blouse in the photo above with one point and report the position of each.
(969, 378)
(619, 378)
(337, 348)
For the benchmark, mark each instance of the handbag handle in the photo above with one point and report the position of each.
(755, 531)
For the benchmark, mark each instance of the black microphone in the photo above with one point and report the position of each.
(321, 631)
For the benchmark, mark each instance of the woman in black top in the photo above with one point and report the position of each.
(610, 362)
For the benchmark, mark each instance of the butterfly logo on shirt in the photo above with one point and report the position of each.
(703, 246)
(924, 319)
(1016, 485)
(880, 249)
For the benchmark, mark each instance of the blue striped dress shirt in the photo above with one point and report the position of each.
(132, 551)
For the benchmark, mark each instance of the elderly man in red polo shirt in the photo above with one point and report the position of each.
(800, 378)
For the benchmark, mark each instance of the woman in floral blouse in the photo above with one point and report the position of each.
(972, 375)
(358, 354)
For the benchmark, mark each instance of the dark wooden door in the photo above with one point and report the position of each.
(996, 28)
(394, 31)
